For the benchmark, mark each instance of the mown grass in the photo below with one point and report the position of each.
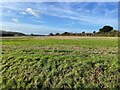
(60, 63)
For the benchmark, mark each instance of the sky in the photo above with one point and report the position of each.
(53, 17)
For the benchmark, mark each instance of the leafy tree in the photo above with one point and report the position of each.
(57, 34)
(51, 34)
(106, 29)
(94, 31)
(32, 34)
(83, 32)
(65, 33)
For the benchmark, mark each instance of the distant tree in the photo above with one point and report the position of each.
(106, 29)
(83, 32)
(51, 34)
(57, 34)
(65, 33)
(32, 34)
(94, 31)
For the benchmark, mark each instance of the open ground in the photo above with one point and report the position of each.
(59, 62)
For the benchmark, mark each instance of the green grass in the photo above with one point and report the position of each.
(60, 63)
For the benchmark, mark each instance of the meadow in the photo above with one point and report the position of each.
(60, 62)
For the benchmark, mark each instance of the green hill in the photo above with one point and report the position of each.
(10, 33)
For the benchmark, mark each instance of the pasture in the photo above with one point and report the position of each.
(59, 62)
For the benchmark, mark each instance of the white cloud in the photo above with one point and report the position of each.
(9, 11)
(33, 12)
(23, 13)
(15, 20)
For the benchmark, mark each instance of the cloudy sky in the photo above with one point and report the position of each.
(47, 17)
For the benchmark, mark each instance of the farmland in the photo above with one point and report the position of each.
(60, 62)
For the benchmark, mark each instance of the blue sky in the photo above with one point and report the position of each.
(47, 17)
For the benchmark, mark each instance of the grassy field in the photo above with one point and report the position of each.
(60, 62)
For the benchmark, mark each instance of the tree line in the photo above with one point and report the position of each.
(105, 31)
